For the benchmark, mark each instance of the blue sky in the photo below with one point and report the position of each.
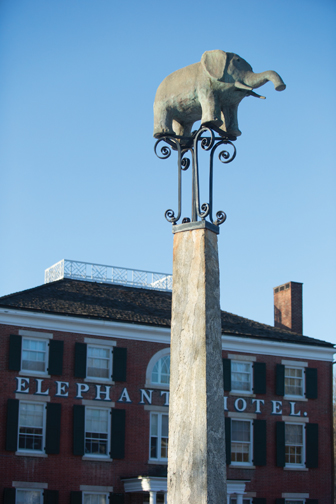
(79, 178)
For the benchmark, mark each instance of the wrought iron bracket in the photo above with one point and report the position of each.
(206, 138)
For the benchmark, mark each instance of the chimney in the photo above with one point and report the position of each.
(288, 306)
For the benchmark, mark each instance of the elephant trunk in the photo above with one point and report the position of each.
(256, 80)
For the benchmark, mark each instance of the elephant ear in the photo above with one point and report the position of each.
(214, 63)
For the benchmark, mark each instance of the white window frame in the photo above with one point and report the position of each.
(97, 455)
(91, 377)
(294, 499)
(240, 391)
(159, 382)
(44, 421)
(95, 493)
(303, 457)
(159, 435)
(237, 463)
(32, 371)
(246, 500)
(156, 357)
(295, 396)
(30, 490)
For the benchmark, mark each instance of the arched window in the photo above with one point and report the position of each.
(161, 371)
(158, 370)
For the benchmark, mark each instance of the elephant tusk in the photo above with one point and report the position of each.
(240, 85)
(256, 95)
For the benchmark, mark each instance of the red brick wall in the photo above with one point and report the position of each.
(66, 472)
(270, 481)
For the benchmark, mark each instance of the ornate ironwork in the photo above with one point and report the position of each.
(102, 273)
(186, 145)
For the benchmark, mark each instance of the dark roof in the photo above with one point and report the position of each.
(132, 305)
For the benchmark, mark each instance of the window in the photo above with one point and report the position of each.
(158, 370)
(102, 361)
(241, 376)
(31, 426)
(294, 501)
(95, 498)
(99, 362)
(159, 436)
(294, 444)
(233, 500)
(97, 428)
(28, 496)
(161, 371)
(34, 355)
(99, 432)
(294, 381)
(241, 442)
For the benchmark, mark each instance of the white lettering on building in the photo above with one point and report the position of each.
(124, 397)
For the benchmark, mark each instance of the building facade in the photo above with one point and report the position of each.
(85, 399)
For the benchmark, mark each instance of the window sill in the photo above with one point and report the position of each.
(36, 374)
(96, 459)
(241, 394)
(156, 386)
(99, 380)
(296, 468)
(295, 398)
(241, 466)
(157, 462)
(31, 454)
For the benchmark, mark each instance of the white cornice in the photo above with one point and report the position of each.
(282, 349)
(84, 326)
(111, 329)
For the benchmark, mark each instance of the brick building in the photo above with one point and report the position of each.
(85, 395)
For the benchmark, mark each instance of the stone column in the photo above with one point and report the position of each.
(196, 452)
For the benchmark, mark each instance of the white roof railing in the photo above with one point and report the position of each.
(89, 272)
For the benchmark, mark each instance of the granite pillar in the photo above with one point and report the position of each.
(196, 452)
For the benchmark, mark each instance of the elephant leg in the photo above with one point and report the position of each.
(182, 128)
(163, 122)
(230, 120)
(211, 111)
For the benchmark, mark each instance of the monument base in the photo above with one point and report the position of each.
(196, 453)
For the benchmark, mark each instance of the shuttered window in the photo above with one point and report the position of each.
(100, 362)
(33, 426)
(296, 382)
(297, 445)
(35, 355)
(244, 376)
(98, 432)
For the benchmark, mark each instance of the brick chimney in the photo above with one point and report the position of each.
(288, 306)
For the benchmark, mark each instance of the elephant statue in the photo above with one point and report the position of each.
(210, 91)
